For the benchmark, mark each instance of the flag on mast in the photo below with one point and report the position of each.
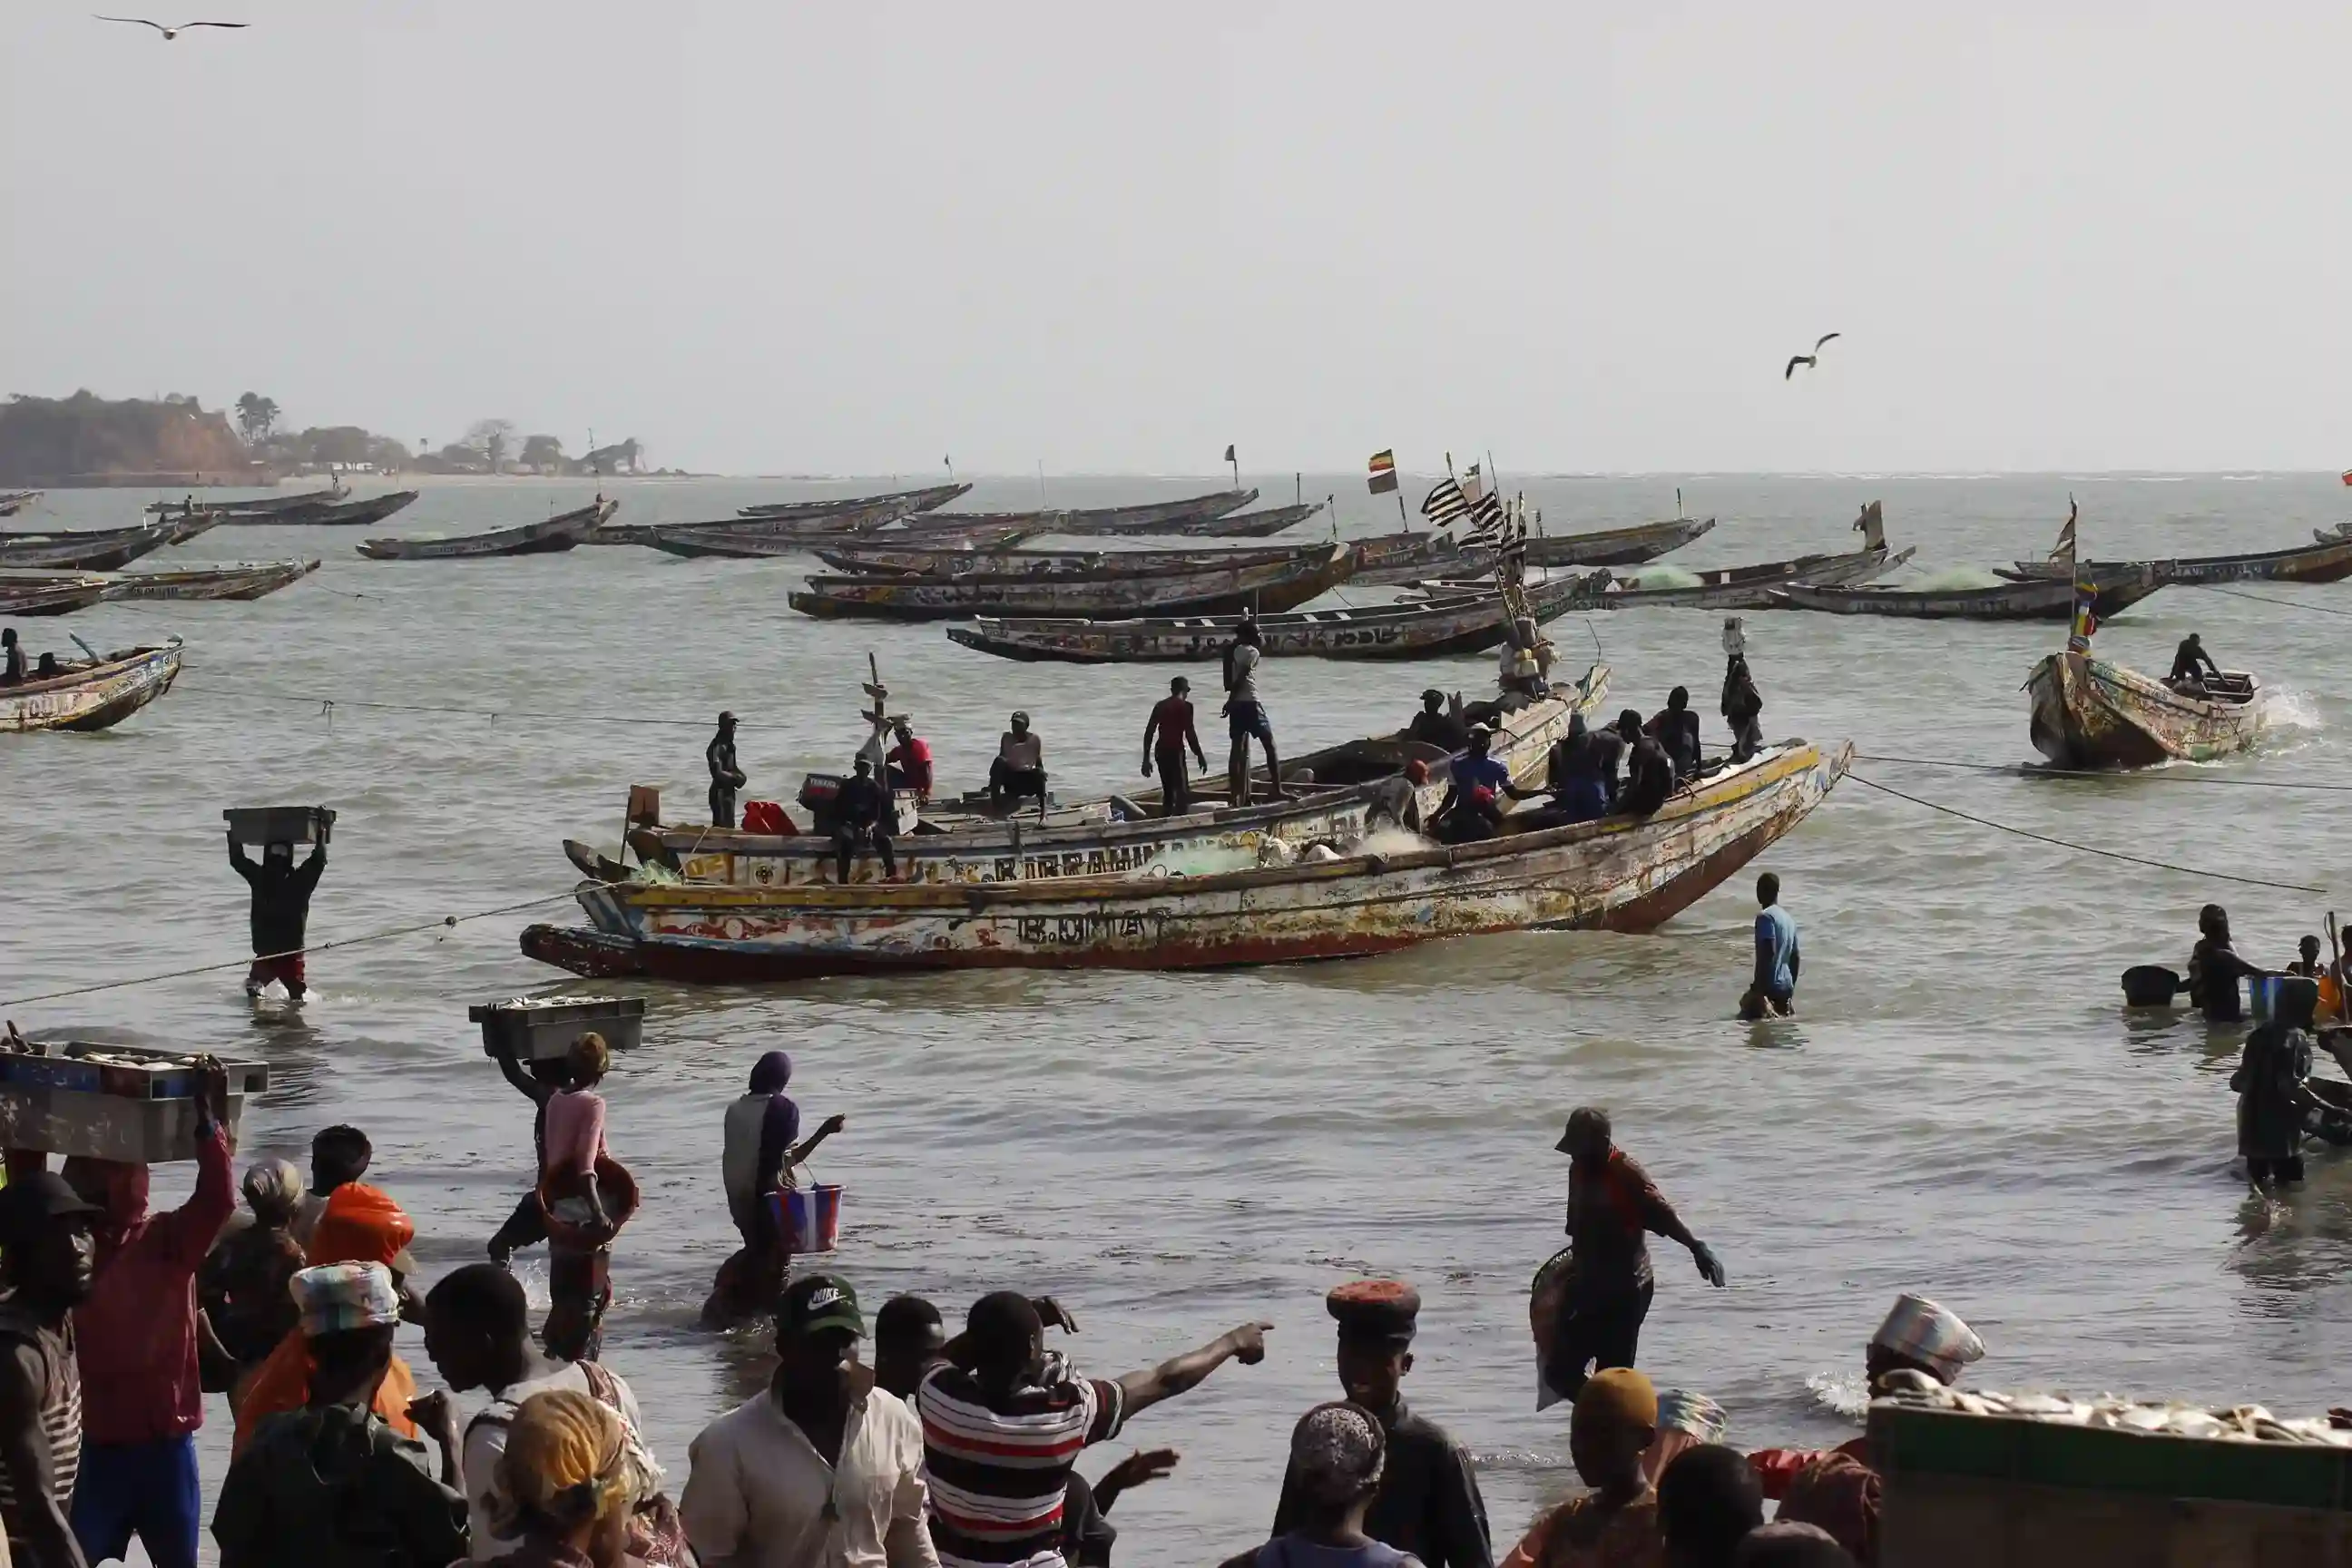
(1229, 452)
(2064, 550)
(1444, 504)
(1383, 472)
(1474, 484)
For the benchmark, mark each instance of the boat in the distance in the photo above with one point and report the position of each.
(14, 501)
(2116, 587)
(90, 549)
(1616, 546)
(1438, 628)
(49, 594)
(902, 503)
(2088, 713)
(2327, 559)
(246, 509)
(1164, 517)
(697, 543)
(1750, 587)
(91, 694)
(241, 581)
(546, 537)
(329, 514)
(1268, 586)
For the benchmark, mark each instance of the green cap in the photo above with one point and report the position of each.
(816, 1302)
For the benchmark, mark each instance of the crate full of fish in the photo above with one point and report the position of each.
(280, 824)
(1994, 1480)
(110, 1102)
(542, 1029)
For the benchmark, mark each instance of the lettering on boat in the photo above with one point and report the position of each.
(1076, 930)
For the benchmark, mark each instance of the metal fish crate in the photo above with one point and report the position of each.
(280, 824)
(542, 1029)
(111, 1103)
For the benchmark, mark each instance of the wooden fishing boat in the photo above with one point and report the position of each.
(1144, 516)
(1748, 587)
(2088, 713)
(2327, 560)
(1393, 559)
(2119, 587)
(1268, 587)
(1616, 546)
(93, 550)
(744, 544)
(244, 581)
(901, 503)
(331, 514)
(91, 694)
(1257, 524)
(1120, 835)
(1431, 629)
(863, 559)
(14, 501)
(248, 507)
(187, 525)
(1620, 873)
(49, 594)
(546, 537)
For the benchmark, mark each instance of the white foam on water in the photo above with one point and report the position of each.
(1842, 1393)
(2291, 709)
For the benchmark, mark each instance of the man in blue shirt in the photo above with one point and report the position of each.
(1473, 807)
(1773, 994)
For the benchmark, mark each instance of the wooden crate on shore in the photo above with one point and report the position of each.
(2006, 1492)
(110, 1102)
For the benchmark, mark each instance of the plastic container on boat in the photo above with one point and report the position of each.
(111, 1103)
(281, 824)
(542, 1029)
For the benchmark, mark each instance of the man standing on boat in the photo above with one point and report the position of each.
(12, 671)
(726, 778)
(1743, 706)
(1165, 735)
(281, 912)
(2191, 664)
(1435, 727)
(1246, 715)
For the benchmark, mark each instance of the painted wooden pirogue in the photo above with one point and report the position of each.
(253, 506)
(904, 504)
(52, 594)
(1621, 874)
(1616, 546)
(545, 537)
(88, 695)
(91, 550)
(1085, 840)
(2090, 714)
(2329, 560)
(1748, 587)
(329, 514)
(1428, 629)
(1144, 516)
(878, 556)
(1259, 524)
(747, 544)
(14, 501)
(2119, 587)
(1269, 587)
(245, 580)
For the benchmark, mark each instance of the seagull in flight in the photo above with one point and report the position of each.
(174, 30)
(1808, 361)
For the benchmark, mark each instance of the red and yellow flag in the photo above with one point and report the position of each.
(1384, 477)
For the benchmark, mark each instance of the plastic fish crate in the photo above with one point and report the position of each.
(111, 1103)
(281, 824)
(542, 1029)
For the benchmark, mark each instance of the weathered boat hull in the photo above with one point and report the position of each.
(1616, 546)
(2035, 601)
(332, 514)
(898, 504)
(736, 544)
(96, 550)
(1145, 517)
(2090, 714)
(255, 506)
(242, 581)
(1434, 629)
(1232, 525)
(1268, 588)
(16, 501)
(876, 559)
(1393, 559)
(2327, 560)
(54, 596)
(1083, 841)
(1750, 587)
(1619, 874)
(550, 536)
(91, 697)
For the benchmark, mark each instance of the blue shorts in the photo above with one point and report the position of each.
(148, 1490)
(1244, 720)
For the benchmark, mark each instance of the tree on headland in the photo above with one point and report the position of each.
(493, 438)
(543, 453)
(255, 417)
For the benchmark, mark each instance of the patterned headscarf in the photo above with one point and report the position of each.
(1919, 1331)
(339, 1296)
(1336, 1451)
(568, 1461)
(273, 1185)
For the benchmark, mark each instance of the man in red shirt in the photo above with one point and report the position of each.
(136, 1343)
(909, 762)
(1165, 735)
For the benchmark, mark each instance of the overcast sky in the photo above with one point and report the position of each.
(1113, 237)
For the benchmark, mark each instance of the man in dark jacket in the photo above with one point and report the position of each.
(862, 818)
(1649, 771)
(725, 776)
(1676, 727)
(281, 912)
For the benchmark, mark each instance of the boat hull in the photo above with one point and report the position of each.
(2090, 714)
(1616, 546)
(896, 503)
(94, 698)
(550, 536)
(2327, 559)
(223, 582)
(2030, 601)
(1621, 874)
(103, 550)
(326, 514)
(1270, 587)
(1750, 587)
(1179, 517)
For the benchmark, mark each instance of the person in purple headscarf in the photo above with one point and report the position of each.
(762, 1148)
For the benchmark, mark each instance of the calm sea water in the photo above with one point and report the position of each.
(1963, 1107)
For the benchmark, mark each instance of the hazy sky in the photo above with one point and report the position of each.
(858, 238)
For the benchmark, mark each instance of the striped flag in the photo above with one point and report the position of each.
(1486, 519)
(2064, 549)
(1383, 472)
(1444, 504)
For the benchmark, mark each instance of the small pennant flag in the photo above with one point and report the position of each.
(1474, 483)
(1384, 473)
(2064, 549)
(1229, 452)
(1444, 504)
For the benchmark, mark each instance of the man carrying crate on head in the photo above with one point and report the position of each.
(281, 911)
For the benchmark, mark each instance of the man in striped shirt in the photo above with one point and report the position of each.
(1001, 1432)
(51, 1258)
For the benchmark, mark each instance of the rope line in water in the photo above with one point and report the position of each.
(445, 922)
(2030, 771)
(2265, 599)
(2085, 849)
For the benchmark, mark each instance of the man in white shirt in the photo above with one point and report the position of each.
(820, 1469)
(477, 1331)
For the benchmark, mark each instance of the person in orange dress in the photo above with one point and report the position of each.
(1615, 1525)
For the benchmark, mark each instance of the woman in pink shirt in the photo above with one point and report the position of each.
(587, 1196)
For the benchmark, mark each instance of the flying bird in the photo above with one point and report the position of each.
(174, 30)
(1808, 361)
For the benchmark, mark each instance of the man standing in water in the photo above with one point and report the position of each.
(1427, 1503)
(1612, 1203)
(281, 912)
(2215, 968)
(726, 778)
(1773, 991)
(1165, 735)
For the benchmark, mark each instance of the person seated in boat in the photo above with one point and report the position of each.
(909, 764)
(1436, 726)
(1575, 790)
(726, 778)
(1649, 771)
(2190, 665)
(1473, 807)
(1019, 770)
(862, 821)
(2306, 966)
(2215, 969)
(1526, 662)
(1396, 801)
(12, 669)
(1676, 727)
(48, 667)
